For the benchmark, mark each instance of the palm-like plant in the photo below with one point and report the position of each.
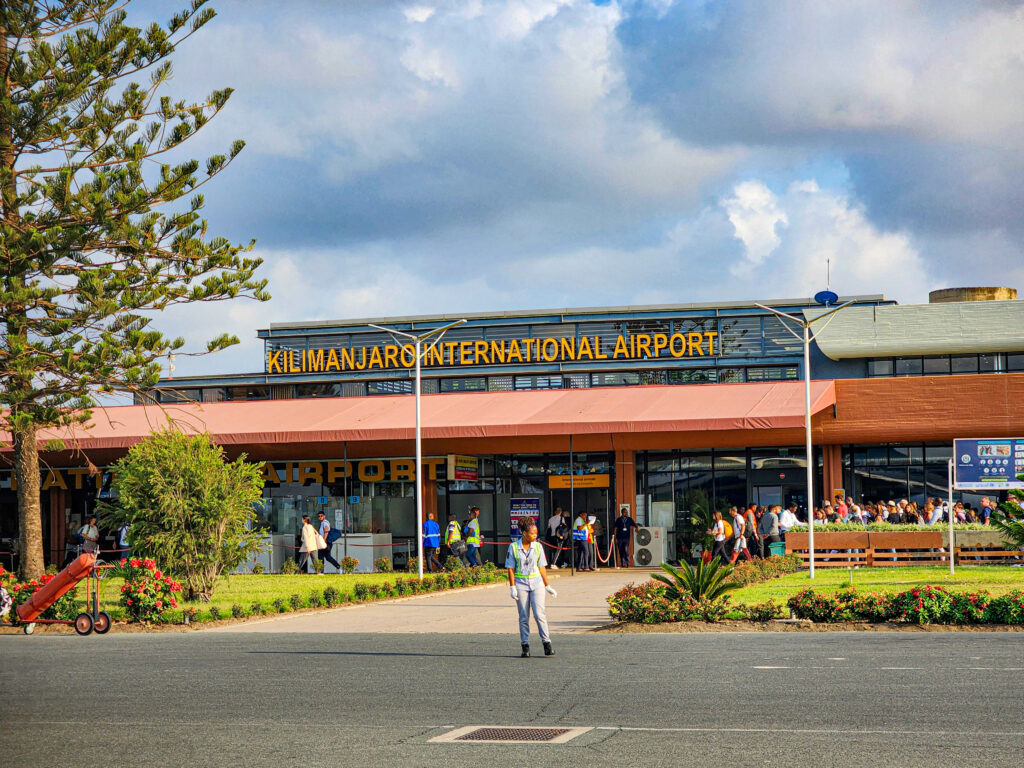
(1011, 528)
(706, 581)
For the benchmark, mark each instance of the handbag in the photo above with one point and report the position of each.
(458, 547)
(320, 543)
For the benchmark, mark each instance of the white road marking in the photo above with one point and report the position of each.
(836, 658)
(772, 667)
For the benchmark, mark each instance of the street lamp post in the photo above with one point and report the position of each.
(826, 298)
(418, 340)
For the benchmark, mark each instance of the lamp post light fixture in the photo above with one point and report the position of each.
(417, 340)
(824, 298)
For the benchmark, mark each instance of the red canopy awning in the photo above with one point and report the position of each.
(612, 410)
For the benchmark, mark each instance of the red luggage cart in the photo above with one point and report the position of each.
(83, 567)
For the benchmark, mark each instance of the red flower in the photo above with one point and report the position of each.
(124, 561)
(159, 603)
(129, 601)
(135, 563)
(158, 574)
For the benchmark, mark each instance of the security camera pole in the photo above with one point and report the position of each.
(825, 298)
(418, 342)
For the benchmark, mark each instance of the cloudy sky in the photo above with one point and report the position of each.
(473, 155)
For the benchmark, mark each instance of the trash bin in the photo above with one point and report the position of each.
(777, 548)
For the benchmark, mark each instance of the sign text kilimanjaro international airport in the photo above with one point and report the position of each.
(639, 346)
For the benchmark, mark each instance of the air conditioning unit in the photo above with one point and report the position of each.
(650, 546)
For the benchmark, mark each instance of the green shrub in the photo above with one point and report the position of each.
(257, 569)
(924, 605)
(289, 567)
(318, 565)
(315, 598)
(761, 612)
(969, 607)
(1007, 609)
(808, 604)
(648, 603)
(256, 608)
(237, 611)
(375, 589)
(214, 612)
(189, 613)
(383, 565)
(331, 596)
(280, 605)
(349, 564)
(361, 591)
(413, 566)
(295, 601)
(706, 581)
(387, 589)
(416, 586)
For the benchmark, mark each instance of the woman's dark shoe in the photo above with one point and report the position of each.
(526, 651)
(548, 650)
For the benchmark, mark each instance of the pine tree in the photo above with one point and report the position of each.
(100, 226)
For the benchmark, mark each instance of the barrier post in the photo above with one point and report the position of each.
(952, 544)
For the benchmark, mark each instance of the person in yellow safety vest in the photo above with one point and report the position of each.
(581, 523)
(473, 541)
(453, 534)
(527, 584)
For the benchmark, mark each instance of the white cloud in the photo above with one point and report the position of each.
(825, 229)
(417, 14)
(755, 215)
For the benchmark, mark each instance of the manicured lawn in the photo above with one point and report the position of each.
(997, 579)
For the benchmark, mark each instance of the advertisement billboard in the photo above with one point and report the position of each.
(988, 464)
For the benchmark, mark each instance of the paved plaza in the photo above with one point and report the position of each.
(580, 607)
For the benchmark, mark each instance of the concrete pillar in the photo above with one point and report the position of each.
(625, 481)
(832, 470)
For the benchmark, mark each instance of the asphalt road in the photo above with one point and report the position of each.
(206, 699)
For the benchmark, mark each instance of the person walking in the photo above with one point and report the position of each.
(561, 542)
(431, 543)
(583, 559)
(624, 526)
(122, 541)
(473, 540)
(527, 585)
(325, 533)
(717, 531)
(750, 518)
(739, 539)
(453, 539)
(90, 536)
(553, 523)
(768, 530)
(308, 546)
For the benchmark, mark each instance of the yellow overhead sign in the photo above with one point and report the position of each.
(638, 346)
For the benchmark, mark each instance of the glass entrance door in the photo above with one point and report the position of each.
(767, 495)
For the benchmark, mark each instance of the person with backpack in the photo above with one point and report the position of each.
(561, 538)
(453, 539)
(718, 532)
(329, 536)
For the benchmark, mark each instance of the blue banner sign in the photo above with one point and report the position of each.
(991, 464)
(520, 508)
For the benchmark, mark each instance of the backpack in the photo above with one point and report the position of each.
(562, 531)
(728, 529)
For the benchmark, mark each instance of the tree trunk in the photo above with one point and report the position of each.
(30, 517)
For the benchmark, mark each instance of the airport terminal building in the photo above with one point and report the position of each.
(648, 408)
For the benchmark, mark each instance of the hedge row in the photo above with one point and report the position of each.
(921, 605)
(889, 528)
(647, 604)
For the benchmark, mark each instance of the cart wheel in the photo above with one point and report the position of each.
(30, 628)
(83, 624)
(101, 624)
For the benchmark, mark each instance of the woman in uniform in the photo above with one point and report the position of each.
(527, 583)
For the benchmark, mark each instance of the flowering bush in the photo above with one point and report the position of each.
(969, 607)
(349, 564)
(64, 609)
(647, 604)
(147, 594)
(762, 612)
(763, 569)
(808, 604)
(1007, 609)
(921, 605)
(383, 565)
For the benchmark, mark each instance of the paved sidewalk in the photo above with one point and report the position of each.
(579, 607)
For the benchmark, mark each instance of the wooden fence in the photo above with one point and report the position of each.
(844, 549)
